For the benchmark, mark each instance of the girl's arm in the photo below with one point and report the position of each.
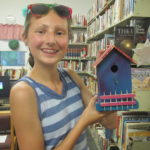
(89, 116)
(25, 118)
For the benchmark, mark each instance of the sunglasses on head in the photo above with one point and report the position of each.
(41, 9)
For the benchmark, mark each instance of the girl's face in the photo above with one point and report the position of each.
(48, 38)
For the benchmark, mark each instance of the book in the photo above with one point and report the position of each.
(129, 117)
(141, 53)
(124, 39)
(137, 136)
(3, 138)
(140, 30)
(140, 78)
(109, 40)
(148, 33)
(141, 86)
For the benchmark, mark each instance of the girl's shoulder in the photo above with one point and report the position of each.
(22, 96)
(21, 85)
(20, 90)
(75, 77)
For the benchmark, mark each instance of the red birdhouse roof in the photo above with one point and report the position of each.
(102, 56)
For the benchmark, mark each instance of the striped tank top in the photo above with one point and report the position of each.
(59, 113)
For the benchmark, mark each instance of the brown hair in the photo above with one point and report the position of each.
(27, 25)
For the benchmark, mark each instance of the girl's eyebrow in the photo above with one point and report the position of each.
(46, 26)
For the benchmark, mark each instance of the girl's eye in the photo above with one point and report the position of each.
(40, 31)
(60, 33)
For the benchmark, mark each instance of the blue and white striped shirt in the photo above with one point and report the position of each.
(59, 113)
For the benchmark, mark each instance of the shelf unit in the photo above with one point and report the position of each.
(77, 49)
(101, 8)
(78, 44)
(77, 56)
(138, 12)
(79, 27)
(101, 11)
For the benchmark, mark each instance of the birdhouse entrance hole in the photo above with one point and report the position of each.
(114, 68)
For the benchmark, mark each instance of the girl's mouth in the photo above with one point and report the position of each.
(49, 51)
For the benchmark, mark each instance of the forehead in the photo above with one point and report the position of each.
(51, 18)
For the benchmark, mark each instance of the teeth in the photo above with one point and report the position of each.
(50, 51)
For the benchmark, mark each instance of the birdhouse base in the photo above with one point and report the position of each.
(116, 102)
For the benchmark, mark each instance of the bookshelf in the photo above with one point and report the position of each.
(77, 50)
(14, 73)
(102, 20)
(124, 17)
(77, 57)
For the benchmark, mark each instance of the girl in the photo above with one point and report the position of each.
(47, 105)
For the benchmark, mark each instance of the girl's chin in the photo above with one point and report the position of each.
(56, 55)
(52, 62)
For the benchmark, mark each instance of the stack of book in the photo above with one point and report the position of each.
(133, 130)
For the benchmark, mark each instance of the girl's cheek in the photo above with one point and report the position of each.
(63, 43)
(35, 41)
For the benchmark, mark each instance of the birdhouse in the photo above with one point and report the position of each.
(114, 81)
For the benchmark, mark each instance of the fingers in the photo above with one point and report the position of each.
(93, 100)
(108, 113)
(109, 120)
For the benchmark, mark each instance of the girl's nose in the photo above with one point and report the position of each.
(50, 39)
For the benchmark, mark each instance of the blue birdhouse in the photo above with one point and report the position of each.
(114, 81)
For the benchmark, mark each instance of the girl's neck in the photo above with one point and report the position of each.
(49, 77)
(41, 73)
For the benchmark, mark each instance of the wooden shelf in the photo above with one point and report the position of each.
(78, 44)
(79, 27)
(141, 66)
(87, 74)
(111, 28)
(75, 59)
(102, 11)
(138, 13)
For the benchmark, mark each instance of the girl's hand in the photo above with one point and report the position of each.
(91, 115)
(109, 121)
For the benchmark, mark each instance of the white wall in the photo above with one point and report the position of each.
(15, 7)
